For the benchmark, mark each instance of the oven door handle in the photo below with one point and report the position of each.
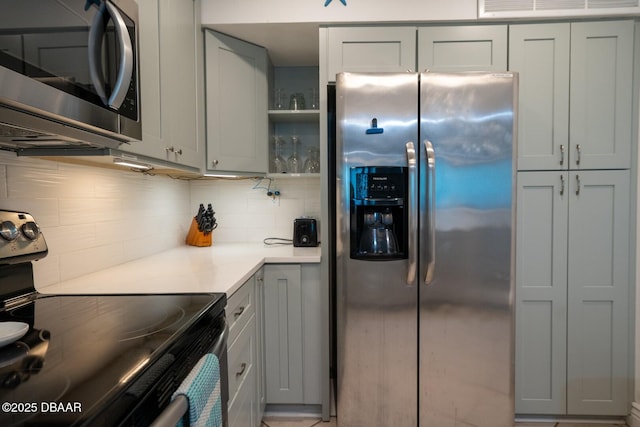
(105, 13)
(180, 405)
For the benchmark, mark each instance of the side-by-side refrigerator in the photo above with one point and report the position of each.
(424, 244)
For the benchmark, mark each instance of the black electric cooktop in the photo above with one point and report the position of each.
(83, 354)
(91, 360)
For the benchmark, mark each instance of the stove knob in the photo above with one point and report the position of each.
(30, 230)
(8, 231)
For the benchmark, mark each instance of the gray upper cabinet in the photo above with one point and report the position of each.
(439, 48)
(585, 124)
(172, 82)
(236, 90)
(462, 48)
(601, 102)
(540, 54)
(375, 49)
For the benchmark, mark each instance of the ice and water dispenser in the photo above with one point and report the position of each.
(378, 213)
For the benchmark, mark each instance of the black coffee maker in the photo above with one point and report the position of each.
(378, 213)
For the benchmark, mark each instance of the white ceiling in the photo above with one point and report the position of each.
(289, 44)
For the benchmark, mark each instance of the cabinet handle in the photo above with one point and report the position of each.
(579, 154)
(215, 163)
(238, 312)
(561, 154)
(578, 182)
(562, 185)
(243, 367)
(179, 152)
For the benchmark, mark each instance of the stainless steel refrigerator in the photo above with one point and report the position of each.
(424, 245)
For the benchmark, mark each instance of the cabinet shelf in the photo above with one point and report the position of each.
(294, 116)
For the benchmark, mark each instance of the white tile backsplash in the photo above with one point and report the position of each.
(94, 218)
(245, 213)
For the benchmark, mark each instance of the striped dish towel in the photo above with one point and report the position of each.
(202, 389)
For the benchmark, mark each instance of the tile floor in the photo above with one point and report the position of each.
(316, 422)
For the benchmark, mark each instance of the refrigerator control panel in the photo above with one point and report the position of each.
(378, 183)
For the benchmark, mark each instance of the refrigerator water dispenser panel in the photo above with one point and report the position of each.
(378, 214)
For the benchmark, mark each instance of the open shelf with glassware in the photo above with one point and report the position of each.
(294, 122)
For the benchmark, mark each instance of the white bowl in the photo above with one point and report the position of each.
(12, 331)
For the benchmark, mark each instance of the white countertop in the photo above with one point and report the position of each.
(186, 269)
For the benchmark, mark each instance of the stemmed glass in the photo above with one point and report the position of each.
(278, 164)
(312, 164)
(293, 164)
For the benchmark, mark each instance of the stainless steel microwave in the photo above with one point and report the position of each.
(69, 74)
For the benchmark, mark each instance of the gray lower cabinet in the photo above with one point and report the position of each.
(236, 92)
(244, 355)
(261, 383)
(292, 318)
(573, 293)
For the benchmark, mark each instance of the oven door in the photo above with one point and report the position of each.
(174, 412)
(73, 59)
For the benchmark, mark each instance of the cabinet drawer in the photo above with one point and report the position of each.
(241, 361)
(240, 307)
(242, 409)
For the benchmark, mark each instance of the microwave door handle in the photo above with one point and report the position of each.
(96, 34)
(431, 212)
(126, 58)
(106, 12)
(412, 216)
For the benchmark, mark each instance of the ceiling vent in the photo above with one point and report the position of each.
(553, 8)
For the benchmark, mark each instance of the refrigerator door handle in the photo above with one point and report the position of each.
(431, 211)
(411, 209)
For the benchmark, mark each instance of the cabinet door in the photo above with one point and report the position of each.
(601, 94)
(171, 82)
(242, 378)
(541, 293)
(313, 326)
(182, 80)
(371, 49)
(236, 88)
(598, 293)
(261, 388)
(462, 48)
(540, 54)
(283, 334)
(154, 129)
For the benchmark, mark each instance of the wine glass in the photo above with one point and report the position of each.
(278, 164)
(294, 164)
(312, 164)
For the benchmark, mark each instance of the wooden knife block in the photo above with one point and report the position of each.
(196, 237)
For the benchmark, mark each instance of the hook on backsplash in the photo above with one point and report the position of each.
(270, 193)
